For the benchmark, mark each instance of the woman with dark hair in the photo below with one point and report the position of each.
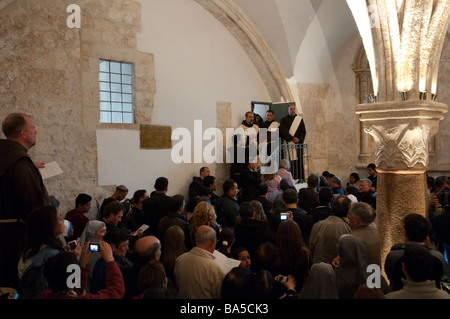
(353, 179)
(44, 225)
(295, 256)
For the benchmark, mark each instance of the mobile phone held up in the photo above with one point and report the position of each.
(94, 247)
(72, 244)
(283, 216)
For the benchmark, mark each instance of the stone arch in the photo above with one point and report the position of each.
(254, 45)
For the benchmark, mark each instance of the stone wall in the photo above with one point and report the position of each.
(314, 103)
(329, 113)
(41, 76)
(51, 72)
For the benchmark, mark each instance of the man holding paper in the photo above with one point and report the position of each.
(293, 131)
(21, 190)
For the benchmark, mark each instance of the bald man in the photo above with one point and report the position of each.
(197, 274)
(21, 190)
(145, 249)
(148, 248)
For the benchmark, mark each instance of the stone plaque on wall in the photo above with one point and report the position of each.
(155, 137)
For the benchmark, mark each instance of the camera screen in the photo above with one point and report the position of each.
(93, 247)
(283, 216)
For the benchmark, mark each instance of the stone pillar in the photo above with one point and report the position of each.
(402, 132)
(365, 89)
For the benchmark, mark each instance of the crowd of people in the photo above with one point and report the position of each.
(316, 242)
(313, 243)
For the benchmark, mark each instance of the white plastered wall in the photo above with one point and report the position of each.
(198, 63)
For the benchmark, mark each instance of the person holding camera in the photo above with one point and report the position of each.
(94, 232)
(58, 278)
(290, 201)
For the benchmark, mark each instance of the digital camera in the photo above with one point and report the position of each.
(94, 247)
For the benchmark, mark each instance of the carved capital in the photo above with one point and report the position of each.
(402, 131)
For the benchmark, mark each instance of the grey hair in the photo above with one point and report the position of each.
(366, 180)
(363, 211)
(284, 163)
(205, 236)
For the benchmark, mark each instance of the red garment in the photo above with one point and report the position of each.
(78, 220)
(115, 286)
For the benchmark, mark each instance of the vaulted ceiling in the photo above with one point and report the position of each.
(303, 34)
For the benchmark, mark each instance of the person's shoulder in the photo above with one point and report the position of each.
(228, 199)
(45, 253)
(108, 200)
(297, 211)
(180, 220)
(196, 179)
(70, 213)
(197, 252)
(397, 247)
(254, 223)
(399, 294)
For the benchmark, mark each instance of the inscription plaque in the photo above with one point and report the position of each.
(154, 137)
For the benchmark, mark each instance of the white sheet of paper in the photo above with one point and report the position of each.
(225, 263)
(144, 227)
(50, 170)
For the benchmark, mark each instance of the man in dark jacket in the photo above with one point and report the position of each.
(308, 197)
(250, 179)
(157, 206)
(250, 232)
(21, 190)
(365, 194)
(290, 201)
(197, 182)
(227, 208)
(175, 217)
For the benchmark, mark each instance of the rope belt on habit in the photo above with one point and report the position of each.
(13, 220)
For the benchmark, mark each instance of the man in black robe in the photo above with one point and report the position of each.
(293, 131)
(265, 140)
